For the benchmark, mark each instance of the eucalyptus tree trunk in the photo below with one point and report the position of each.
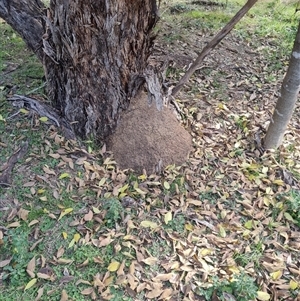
(286, 102)
(94, 54)
(26, 18)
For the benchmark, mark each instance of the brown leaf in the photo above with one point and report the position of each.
(89, 216)
(14, 225)
(31, 267)
(23, 214)
(121, 269)
(49, 171)
(66, 279)
(167, 293)
(87, 291)
(40, 294)
(154, 294)
(104, 242)
(29, 184)
(150, 260)
(163, 277)
(12, 214)
(64, 296)
(64, 261)
(60, 252)
(43, 276)
(4, 263)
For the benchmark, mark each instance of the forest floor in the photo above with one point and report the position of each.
(224, 226)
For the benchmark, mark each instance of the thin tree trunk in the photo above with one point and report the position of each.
(27, 18)
(212, 44)
(286, 102)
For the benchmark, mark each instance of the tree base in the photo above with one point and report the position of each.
(149, 139)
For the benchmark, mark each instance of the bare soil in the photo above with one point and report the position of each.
(149, 139)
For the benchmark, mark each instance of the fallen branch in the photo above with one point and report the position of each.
(7, 168)
(44, 110)
(212, 44)
(208, 3)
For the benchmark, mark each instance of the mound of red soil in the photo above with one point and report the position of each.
(149, 139)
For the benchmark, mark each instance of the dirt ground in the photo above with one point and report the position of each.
(149, 139)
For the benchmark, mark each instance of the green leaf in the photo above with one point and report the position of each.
(30, 284)
(65, 212)
(288, 217)
(248, 225)
(24, 111)
(44, 119)
(149, 224)
(64, 175)
(166, 185)
(263, 296)
(168, 217)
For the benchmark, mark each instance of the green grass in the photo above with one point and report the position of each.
(252, 256)
(22, 70)
(242, 287)
(291, 203)
(21, 74)
(270, 19)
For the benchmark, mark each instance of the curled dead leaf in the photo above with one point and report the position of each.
(87, 291)
(150, 260)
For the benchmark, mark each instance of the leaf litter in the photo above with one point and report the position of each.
(187, 234)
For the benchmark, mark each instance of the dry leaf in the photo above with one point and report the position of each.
(13, 225)
(89, 216)
(64, 296)
(154, 294)
(150, 260)
(149, 224)
(31, 267)
(113, 266)
(263, 296)
(167, 293)
(40, 294)
(163, 277)
(87, 291)
(5, 262)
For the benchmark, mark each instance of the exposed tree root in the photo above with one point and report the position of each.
(43, 110)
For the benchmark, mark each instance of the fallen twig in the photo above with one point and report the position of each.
(212, 44)
(7, 168)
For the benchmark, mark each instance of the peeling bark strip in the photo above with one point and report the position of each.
(27, 18)
(96, 56)
(286, 102)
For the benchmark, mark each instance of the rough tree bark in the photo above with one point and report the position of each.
(27, 18)
(94, 54)
(286, 102)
